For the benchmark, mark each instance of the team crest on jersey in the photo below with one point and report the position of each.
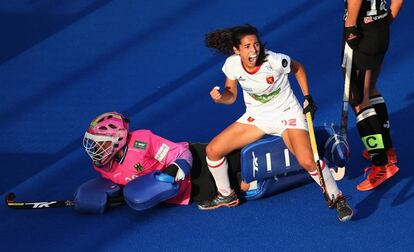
(270, 79)
(138, 167)
(250, 119)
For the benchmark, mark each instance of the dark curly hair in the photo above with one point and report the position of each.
(223, 40)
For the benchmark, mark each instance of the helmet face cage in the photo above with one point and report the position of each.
(106, 135)
(99, 148)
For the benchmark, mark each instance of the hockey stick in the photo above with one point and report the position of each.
(340, 173)
(112, 202)
(316, 158)
(345, 99)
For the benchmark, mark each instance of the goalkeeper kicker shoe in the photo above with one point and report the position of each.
(220, 200)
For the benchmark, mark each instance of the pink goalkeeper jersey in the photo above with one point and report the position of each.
(146, 153)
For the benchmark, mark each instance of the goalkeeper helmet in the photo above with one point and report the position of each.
(105, 136)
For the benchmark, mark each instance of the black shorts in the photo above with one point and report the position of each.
(203, 186)
(373, 44)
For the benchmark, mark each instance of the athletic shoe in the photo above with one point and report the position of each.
(391, 155)
(220, 200)
(377, 175)
(344, 211)
(392, 169)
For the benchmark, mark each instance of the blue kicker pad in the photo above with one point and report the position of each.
(267, 157)
(92, 196)
(270, 168)
(149, 190)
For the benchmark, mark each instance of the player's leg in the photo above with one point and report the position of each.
(378, 103)
(232, 138)
(370, 54)
(294, 131)
(203, 186)
(370, 131)
(298, 142)
(368, 58)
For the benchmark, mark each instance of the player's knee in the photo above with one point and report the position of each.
(306, 162)
(213, 152)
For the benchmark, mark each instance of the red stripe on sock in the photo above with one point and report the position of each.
(216, 166)
(314, 173)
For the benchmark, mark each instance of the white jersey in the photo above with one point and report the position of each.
(269, 99)
(268, 87)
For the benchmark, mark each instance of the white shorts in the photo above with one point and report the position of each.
(275, 122)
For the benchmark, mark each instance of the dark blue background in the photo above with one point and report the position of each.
(64, 62)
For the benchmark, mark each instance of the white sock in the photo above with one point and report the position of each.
(330, 182)
(219, 170)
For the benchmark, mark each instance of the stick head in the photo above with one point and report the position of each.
(10, 201)
(10, 197)
(338, 174)
(337, 151)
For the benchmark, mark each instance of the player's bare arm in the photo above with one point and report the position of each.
(353, 9)
(395, 8)
(299, 71)
(228, 96)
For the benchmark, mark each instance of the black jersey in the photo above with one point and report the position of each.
(371, 11)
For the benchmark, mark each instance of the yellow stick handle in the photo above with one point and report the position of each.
(316, 157)
(312, 137)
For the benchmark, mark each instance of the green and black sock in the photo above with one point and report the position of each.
(370, 131)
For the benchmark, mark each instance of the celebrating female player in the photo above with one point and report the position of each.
(271, 108)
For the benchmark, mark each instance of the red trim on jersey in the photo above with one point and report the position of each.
(255, 70)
